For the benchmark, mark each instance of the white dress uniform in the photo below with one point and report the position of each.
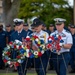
(42, 35)
(61, 59)
(66, 37)
(41, 62)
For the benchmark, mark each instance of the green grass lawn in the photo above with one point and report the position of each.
(27, 74)
(17, 74)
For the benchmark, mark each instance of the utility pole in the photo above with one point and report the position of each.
(74, 10)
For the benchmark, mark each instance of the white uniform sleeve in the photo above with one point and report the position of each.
(69, 39)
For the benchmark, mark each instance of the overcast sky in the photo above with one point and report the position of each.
(71, 2)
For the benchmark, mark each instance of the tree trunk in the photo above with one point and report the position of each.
(10, 11)
(74, 11)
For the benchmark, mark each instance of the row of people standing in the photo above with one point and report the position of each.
(40, 63)
(60, 60)
(5, 38)
(40, 68)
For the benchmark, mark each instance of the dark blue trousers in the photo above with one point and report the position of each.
(22, 69)
(61, 62)
(40, 64)
(72, 60)
(1, 61)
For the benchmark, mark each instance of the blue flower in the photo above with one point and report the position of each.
(42, 41)
(40, 48)
(56, 38)
(61, 41)
(49, 41)
(32, 56)
(54, 50)
(6, 57)
(6, 49)
(12, 46)
(22, 51)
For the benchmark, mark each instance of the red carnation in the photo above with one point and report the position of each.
(52, 38)
(14, 46)
(39, 54)
(17, 64)
(10, 43)
(59, 37)
(27, 39)
(28, 46)
(58, 47)
(20, 47)
(38, 44)
(35, 37)
(18, 56)
(8, 53)
(4, 60)
(57, 41)
(49, 46)
(30, 53)
(49, 37)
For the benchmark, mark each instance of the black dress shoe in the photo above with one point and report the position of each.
(2, 68)
(14, 70)
(72, 71)
(51, 69)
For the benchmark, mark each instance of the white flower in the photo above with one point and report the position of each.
(3, 54)
(50, 39)
(8, 47)
(57, 35)
(27, 50)
(27, 55)
(17, 46)
(23, 57)
(35, 52)
(9, 62)
(37, 40)
(43, 46)
(19, 61)
(22, 46)
(27, 37)
(42, 51)
(17, 41)
(61, 44)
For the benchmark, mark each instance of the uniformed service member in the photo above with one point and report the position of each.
(51, 30)
(72, 50)
(40, 63)
(8, 32)
(32, 28)
(3, 40)
(62, 58)
(26, 28)
(20, 34)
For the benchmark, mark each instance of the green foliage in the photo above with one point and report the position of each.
(47, 10)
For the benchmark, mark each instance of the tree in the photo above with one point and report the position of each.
(57, 9)
(47, 10)
(10, 10)
(30, 8)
